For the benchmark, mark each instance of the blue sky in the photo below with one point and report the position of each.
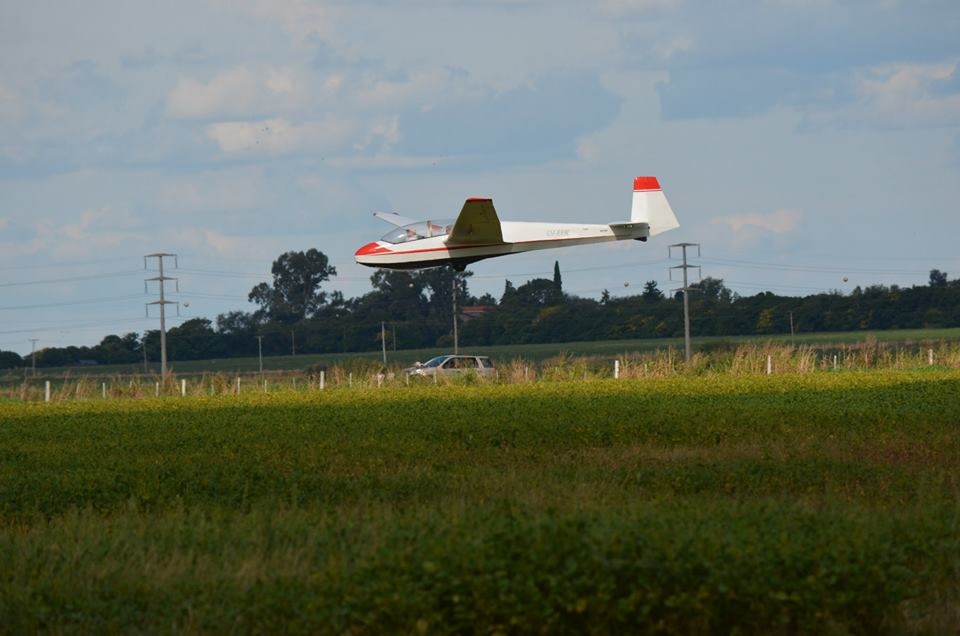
(801, 142)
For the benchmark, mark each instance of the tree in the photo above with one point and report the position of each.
(116, 350)
(651, 293)
(938, 278)
(765, 321)
(713, 290)
(195, 339)
(10, 360)
(295, 294)
(557, 281)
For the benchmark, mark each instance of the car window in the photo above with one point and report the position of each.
(468, 363)
(435, 362)
(485, 363)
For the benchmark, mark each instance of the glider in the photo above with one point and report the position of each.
(478, 233)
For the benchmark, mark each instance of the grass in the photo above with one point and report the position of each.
(811, 504)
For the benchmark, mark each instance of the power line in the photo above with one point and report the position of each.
(69, 279)
(811, 268)
(86, 301)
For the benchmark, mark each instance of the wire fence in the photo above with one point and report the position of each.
(751, 359)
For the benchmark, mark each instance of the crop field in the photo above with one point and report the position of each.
(791, 503)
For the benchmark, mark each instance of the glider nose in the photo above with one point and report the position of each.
(370, 249)
(367, 249)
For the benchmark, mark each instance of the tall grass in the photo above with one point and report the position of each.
(720, 359)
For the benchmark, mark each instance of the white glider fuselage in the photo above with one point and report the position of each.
(518, 236)
(478, 233)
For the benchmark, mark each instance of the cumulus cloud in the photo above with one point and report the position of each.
(204, 240)
(232, 189)
(421, 87)
(778, 222)
(279, 136)
(910, 94)
(624, 7)
(244, 91)
(302, 19)
(12, 106)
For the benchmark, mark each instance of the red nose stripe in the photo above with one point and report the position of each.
(372, 248)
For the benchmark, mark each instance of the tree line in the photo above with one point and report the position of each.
(413, 309)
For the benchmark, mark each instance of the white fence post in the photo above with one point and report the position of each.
(103, 390)
(238, 385)
(616, 369)
(834, 362)
(350, 380)
(156, 390)
(930, 357)
(769, 364)
(323, 380)
(183, 387)
(46, 391)
(264, 385)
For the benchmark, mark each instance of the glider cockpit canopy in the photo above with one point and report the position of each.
(419, 230)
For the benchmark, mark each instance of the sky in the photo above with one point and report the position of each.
(806, 145)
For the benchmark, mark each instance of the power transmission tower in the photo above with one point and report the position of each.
(685, 289)
(383, 341)
(163, 302)
(33, 355)
(456, 336)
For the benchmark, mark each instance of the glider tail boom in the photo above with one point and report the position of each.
(651, 206)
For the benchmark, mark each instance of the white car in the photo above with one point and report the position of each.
(452, 365)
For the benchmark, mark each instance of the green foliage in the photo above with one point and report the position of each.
(295, 293)
(785, 504)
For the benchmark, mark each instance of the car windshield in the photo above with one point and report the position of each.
(435, 362)
(417, 231)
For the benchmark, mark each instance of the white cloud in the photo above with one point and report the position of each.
(623, 7)
(907, 94)
(420, 87)
(778, 222)
(300, 18)
(389, 161)
(236, 189)
(231, 246)
(279, 136)
(12, 107)
(242, 91)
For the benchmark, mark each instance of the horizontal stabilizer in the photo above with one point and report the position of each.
(477, 224)
(631, 230)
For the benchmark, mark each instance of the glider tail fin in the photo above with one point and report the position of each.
(651, 206)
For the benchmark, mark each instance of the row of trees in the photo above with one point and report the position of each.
(414, 310)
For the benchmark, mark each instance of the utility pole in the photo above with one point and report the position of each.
(163, 302)
(456, 336)
(791, 329)
(33, 355)
(686, 291)
(260, 352)
(293, 342)
(383, 341)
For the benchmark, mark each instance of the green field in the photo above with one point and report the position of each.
(530, 352)
(817, 503)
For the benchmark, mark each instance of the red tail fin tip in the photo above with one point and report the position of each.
(645, 183)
